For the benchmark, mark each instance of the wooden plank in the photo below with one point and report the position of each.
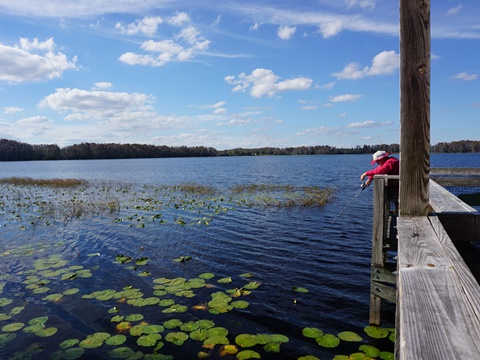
(414, 106)
(455, 171)
(456, 181)
(438, 314)
(383, 291)
(382, 274)
(460, 220)
(471, 287)
(443, 201)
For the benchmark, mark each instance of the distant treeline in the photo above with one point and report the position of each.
(11, 150)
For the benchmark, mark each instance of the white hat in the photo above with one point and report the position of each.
(380, 154)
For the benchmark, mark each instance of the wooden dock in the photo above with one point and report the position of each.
(437, 296)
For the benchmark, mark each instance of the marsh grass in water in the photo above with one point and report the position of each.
(27, 201)
(57, 183)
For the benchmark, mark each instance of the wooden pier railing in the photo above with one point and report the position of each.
(437, 296)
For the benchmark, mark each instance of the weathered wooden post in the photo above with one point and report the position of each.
(414, 106)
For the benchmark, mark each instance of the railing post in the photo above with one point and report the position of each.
(378, 235)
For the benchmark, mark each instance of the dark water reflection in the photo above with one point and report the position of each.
(284, 248)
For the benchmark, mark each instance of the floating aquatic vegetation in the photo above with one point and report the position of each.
(34, 202)
(139, 321)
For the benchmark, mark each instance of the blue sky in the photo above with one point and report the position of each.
(227, 74)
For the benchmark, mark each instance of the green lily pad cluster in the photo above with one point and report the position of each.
(144, 320)
(367, 352)
(35, 326)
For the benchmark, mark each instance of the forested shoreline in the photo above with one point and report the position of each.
(11, 150)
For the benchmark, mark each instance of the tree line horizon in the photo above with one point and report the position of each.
(12, 150)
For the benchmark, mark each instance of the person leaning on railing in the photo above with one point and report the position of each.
(387, 165)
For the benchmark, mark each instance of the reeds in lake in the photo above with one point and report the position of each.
(56, 183)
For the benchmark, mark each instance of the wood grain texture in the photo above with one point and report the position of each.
(438, 299)
(414, 106)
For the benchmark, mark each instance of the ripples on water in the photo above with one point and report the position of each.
(283, 248)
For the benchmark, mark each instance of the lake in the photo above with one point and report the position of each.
(71, 287)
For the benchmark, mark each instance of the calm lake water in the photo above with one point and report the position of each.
(325, 250)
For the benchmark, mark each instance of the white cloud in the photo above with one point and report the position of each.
(97, 105)
(264, 82)
(35, 126)
(385, 63)
(254, 27)
(465, 76)
(179, 19)
(217, 21)
(33, 61)
(148, 26)
(454, 10)
(169, 50)
(309, 107)
(346, 97)
(317, 131)
(331, 28)
(286, 32)
(365, 124)
(12, 110)
(102, 85)
(328, 86)
(364, 4)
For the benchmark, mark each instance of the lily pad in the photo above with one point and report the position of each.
(199, 335)
(47, 332)
(246, 340)
(116, 340)
(5, 338)
(248, 354)
(240, 304)
(13, 327)
(73, 353)
(189, 326)
(38, 320)
(349, 336)
(328, 341)
(137, 330)
(387, 355)
(71, 291)
(312, 332)
(376, 332)
(53, 297)
(166, 302)
(205, 324)
(228, 350)
(299, 289)
(177, 338)
(117, 318)
(173, 323)
(65, 344)
(149, 340)
(272, 347)
(152, 329)
(91, 342)
(369, 350)
(121, 353)
(206, 276)
(134, 317)
(252, 285)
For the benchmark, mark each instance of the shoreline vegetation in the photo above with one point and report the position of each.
(11, 150)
